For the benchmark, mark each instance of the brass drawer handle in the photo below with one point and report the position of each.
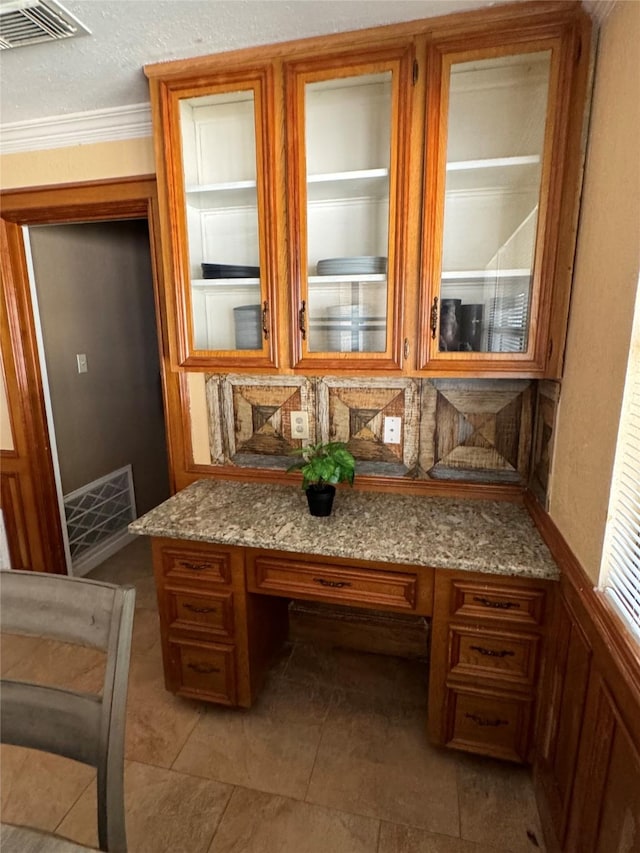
(195, 609)
(492, 653)
(203, 668)
(265, 320)
(302, 320)
(434, 317)
(195, 567)
(336, 584)
(483, 721)
(500, 605)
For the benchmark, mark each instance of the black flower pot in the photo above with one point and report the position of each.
(320, 499)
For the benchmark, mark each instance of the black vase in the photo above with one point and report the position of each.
(320, 499)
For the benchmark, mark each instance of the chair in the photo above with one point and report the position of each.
(85, 727)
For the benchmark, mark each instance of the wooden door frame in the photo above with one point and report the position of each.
(29, 495)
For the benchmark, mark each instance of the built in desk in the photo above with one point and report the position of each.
(229, 556)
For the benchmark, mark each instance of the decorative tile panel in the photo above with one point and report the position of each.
(477, 430)
(353, 411)
(256, 417)
(547, 397)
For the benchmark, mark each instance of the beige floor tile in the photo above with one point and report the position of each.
(38, 789)
(373, 674)
(271, 747)
(374, 759)
(127, 566)
(406, 839)
(497, 805)
(15, 648)
(58, 664)
(166, 812)
(146, 596)
(146, 633)
(263, 823)
(158, 723)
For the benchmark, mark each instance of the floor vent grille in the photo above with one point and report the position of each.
(24, 22)
(98, 514)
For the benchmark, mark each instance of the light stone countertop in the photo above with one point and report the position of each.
(496, 537)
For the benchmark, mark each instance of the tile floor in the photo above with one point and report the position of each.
(333, 758)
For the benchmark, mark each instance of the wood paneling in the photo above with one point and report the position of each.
(37, 523)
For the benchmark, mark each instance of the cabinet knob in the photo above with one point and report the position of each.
(498, 605)
(492, 653)
(483, 721)
(302, 320)
(203, 668)
(265, 319)
(335, 584)
(434, 318)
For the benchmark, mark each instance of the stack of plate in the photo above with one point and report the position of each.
(229, 271)
(365, 265)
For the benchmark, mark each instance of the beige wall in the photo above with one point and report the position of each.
(605, 284)
(95, 295)
(76, 163)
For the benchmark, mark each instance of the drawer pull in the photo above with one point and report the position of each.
(203, 668)
(492, 653)
(195, 609)
(195, 567)
(334, 584)
(483, 721)
(499, 605)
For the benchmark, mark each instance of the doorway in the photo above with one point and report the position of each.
(93, 303)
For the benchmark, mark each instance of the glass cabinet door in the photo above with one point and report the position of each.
(494, 111)
(346, 156)
(227, 301)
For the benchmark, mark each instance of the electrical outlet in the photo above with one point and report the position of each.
(81, 358)
(392, 430)
(299, 425)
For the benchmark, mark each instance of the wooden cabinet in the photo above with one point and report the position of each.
(399, 199)
(485, 662)
(357, 583)
(216, 645)
(587, 763)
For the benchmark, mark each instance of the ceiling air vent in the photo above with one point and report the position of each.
(24, 22)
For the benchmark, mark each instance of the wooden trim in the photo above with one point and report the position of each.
(393, 485)
(89, 202)
(605, 631)
(481, 21)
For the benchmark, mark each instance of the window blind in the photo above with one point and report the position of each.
(620, 570)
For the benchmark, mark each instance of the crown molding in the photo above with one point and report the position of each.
(129, 122)
(599, 9)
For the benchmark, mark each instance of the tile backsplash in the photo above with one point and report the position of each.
(452, 429)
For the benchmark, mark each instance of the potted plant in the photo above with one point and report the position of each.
(322, 466)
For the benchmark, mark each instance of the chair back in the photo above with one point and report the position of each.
(82, 726)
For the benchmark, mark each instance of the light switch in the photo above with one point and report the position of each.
(392, 430)
(81, 358)
(299, 425)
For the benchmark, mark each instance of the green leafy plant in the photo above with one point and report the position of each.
(324, 464)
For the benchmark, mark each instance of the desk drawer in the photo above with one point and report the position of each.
(188, 611)
(203, 670)
(488, 724)
(326, 582)
(185, 565)
(498, 602)
(501, 656)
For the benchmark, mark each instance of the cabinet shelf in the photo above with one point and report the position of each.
(493, 163)
(361, 183)
(213, 283)
(319, 280)
(482, 275)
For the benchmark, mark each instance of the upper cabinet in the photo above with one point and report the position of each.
(348, 174)
(401, 199)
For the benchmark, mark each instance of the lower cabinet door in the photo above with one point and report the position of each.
(488, 724)
(203, 670)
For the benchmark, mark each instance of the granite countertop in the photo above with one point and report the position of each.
(495, 537)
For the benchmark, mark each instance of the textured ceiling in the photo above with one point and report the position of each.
(105, 69)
